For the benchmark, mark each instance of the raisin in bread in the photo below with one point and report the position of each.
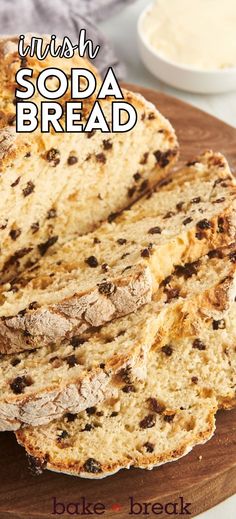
(65, 446)
(159, 419)
(113, 271)
(38, 386)
(55, 186)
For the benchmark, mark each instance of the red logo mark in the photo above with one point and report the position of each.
(116, 507)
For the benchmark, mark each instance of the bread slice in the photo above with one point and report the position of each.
(58, 185)
(118, 442)
(159, 419)
(38, 386)
(115, 270)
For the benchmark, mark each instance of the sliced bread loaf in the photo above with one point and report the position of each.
(55, 186)
(38, 386)
(113, 271)
(160, 419)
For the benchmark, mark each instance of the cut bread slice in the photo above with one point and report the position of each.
(116, 440)
(159, 419)
(55, 186)
(113, 271)
(38, 386)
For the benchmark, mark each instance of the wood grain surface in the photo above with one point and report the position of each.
(196, 130)
(204, 477)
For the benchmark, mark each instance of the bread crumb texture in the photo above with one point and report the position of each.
(38, 386)
(56, 186)
(157, 420)
(116, 269)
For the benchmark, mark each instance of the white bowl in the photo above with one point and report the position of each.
(183, 77)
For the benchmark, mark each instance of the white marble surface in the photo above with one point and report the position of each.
(121, 30)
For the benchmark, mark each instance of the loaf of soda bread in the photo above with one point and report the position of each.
(55, 186)
(38, 386)
(117, 268)
(159, 419)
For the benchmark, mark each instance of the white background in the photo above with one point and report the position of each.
(121, 30)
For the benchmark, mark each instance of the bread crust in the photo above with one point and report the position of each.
(132, 287)
(94, 309)
(76, 469)
(171, 394)
(73, 395)
(76, 393)
(56, 186)
(75, 315)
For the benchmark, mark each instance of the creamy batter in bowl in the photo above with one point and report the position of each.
(190, 44)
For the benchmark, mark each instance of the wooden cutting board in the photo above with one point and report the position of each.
(203, 478)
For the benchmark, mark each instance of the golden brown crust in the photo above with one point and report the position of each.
(70, 174)
(189, 378)
(53, 322)
(92, 310)
(157, 324)
(84, 308)
(76, 468)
